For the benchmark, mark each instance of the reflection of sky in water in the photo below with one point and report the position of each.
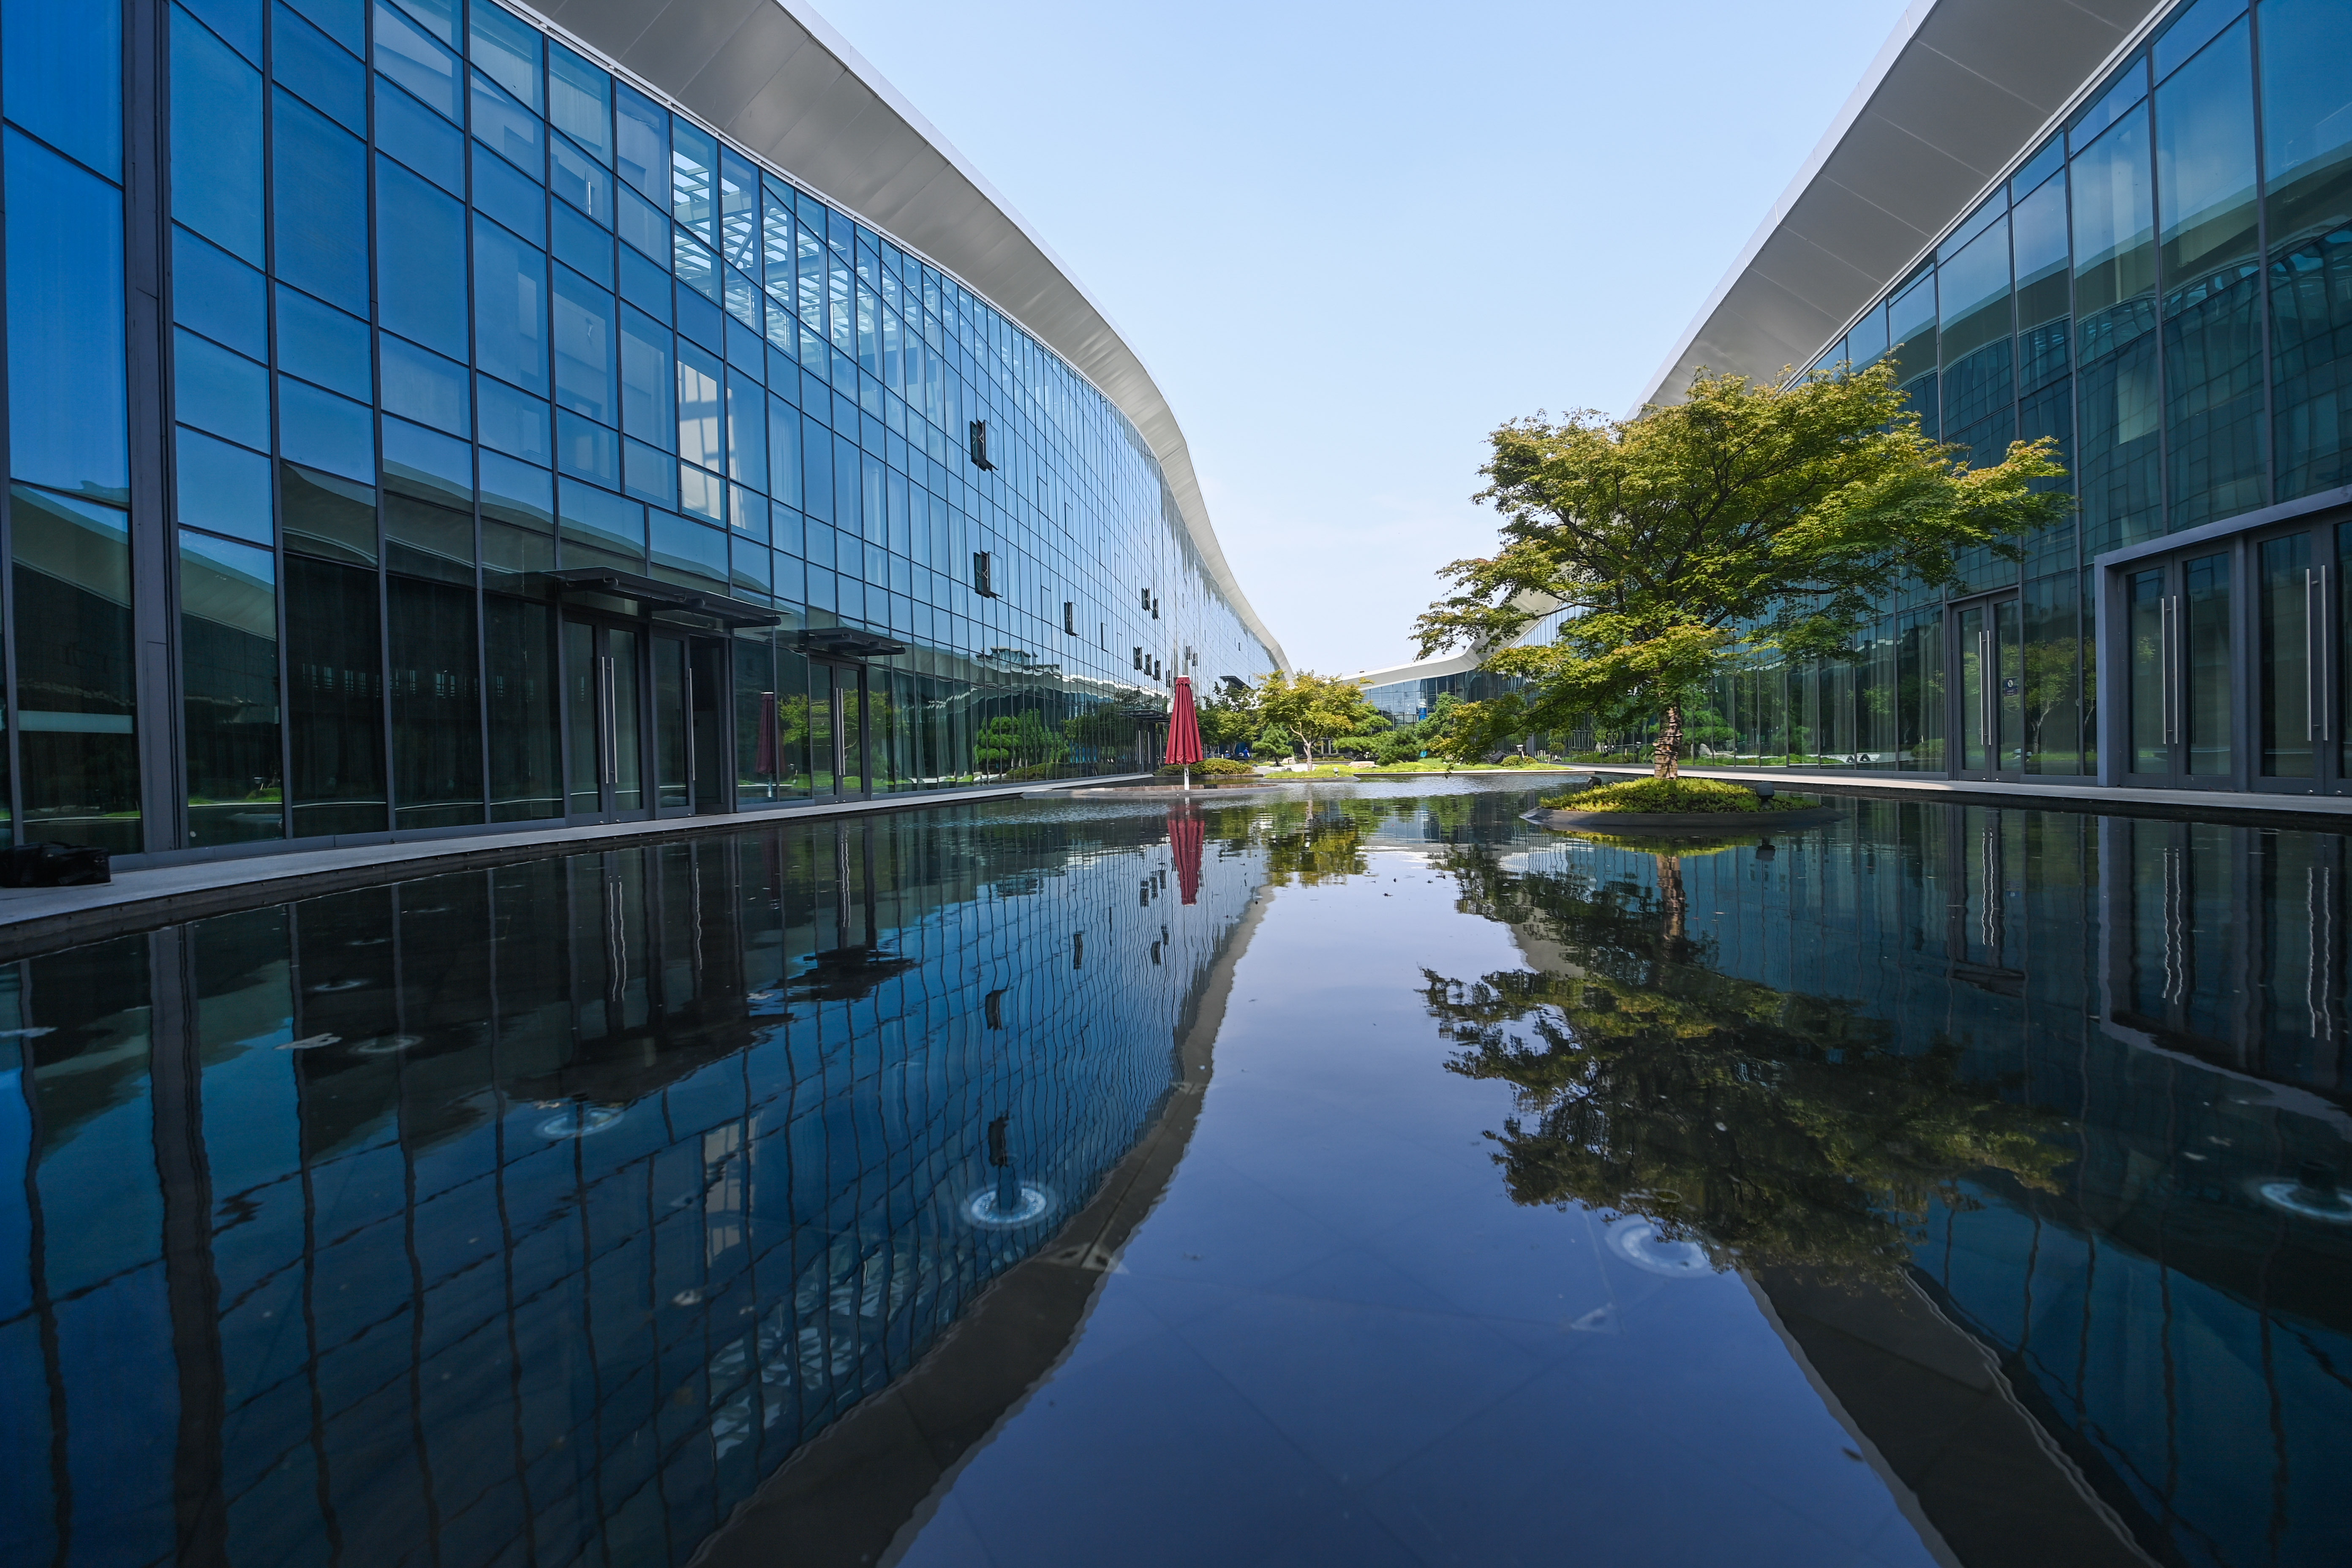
(548, 1209)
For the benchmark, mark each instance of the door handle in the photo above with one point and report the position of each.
(2314, 654)
(2169, 653)
(686, 721)
(611, 737)
(1988, 697)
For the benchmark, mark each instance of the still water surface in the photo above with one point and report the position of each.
(1327, 1176)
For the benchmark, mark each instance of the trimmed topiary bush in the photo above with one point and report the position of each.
(1660, 796)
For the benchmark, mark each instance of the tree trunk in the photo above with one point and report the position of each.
(1666, 756)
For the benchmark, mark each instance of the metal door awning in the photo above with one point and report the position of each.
(718, 607)
(847, 642)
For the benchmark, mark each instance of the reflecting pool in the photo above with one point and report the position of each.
(1352, 1174)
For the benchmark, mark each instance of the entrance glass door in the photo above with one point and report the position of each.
(2176, 617)
(603, 694)
(1988, 646)
(673, 729)
(2299, 739)
(691, 774)
(837, 730)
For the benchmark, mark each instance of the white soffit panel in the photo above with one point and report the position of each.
(776, 77)
(1961, 91)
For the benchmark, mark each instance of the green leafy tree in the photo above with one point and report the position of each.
(1230, 716)
(1747, 519)
(1314, 707)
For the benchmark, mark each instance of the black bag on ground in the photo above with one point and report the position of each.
(53, 866)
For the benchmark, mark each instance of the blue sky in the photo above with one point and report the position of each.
(1349, 241)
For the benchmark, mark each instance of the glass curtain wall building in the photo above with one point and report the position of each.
(416, 424)
(2159, 276)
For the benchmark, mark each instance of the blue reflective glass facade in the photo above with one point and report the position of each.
(2162, 282)
(443, 431)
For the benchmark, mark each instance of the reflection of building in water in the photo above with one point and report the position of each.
(2172, 994)
(515, 1211)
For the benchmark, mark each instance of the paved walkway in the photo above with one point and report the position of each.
(34, 918)
(2197, 802)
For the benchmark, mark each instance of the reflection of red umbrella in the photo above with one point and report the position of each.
(1185, 733)
(769, 763)
(1184, 841)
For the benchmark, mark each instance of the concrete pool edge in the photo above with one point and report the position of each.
(2324, 812)
(34, 919)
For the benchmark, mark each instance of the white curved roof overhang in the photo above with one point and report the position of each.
(776, 79)
(1960, 92)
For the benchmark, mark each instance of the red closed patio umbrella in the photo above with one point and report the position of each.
(1184, 730)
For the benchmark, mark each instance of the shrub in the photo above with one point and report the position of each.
(1213, 767)
(1662, 796)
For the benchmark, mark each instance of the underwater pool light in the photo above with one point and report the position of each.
(2313, 1195)
(1000, 1208)
(1641, 1244)
(575, 1120)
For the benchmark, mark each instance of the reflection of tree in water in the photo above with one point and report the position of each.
(1312, 840)
(1773, 1127)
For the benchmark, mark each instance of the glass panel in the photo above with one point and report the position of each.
(848, 705)
(522, 695)
(505, 47)
(2009, 698)
(584, 348)
(305, 60)
(317, 204)
(2114, 310)
(62, 76)
(321, 344)
(2146, 612)
(625, 720)
(509, 308)
(223, 488)
(2307, 148)
(2306, 132)
(75, 699)
(1976, 670)
(409, 56)
(2043, 287)
(217, 159)
(671, 787)
(2343, 660)
(2206, 584)
(2052, 715)
(334, 660)
(2283, 659)
(1920, 699)
(583, 712)
(823, 737)
(699, 438)
(436, 702)
(2212, 303)
(580, 101)
(758, 739)
(228, 662)
(694, 159)
(67, 423)
(421, 261)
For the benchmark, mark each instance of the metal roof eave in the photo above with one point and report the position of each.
(1959, 92)
(777, 78)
